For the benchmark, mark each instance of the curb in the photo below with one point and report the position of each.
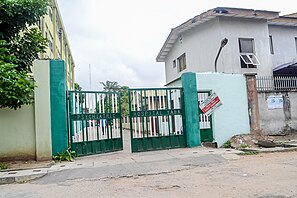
(20, 178)
(270, 150)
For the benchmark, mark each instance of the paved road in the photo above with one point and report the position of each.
(196, 172)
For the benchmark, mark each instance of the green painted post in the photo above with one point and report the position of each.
(58, 106)
(191, 109)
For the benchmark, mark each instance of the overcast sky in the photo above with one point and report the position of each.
(121, 38)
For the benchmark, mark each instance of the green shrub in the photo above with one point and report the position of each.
(66, 155)
(3, 166)
(16, 87)
(227, 144)
(249, 153)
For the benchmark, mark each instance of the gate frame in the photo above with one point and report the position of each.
(203, 131)
(158, 142)
(89, 147)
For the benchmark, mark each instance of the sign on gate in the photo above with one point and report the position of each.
(210, 104)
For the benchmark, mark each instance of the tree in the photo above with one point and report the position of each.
(111, 86)
(77, 87)
(17, 15)
(125, 101)
(19, 46)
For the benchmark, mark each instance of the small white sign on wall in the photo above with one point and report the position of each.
(275, 102)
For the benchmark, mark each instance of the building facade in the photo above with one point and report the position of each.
(258, 42)
(52, 28)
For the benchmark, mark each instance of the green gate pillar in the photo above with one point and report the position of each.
(58, 106)
(191, 109)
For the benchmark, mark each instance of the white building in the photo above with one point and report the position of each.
(258, 42)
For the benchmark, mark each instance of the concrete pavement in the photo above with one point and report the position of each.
(124, 164)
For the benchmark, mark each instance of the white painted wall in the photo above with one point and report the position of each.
(232, 117)
(284, 44)
(26, 133)
(201, 45)
(233, 29)
(17, 133)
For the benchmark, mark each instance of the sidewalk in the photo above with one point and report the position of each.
(125, 163)
(119, 158)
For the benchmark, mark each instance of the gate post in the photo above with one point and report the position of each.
(58, 106)
(253, 104)
(191, 109)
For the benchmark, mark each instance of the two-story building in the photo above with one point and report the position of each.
(261, 42)
(52, 28)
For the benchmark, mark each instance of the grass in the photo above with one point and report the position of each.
(227, 144)
(3, 166)
(242, 146)
(249, 153)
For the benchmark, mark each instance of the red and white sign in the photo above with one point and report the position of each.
(210, 104)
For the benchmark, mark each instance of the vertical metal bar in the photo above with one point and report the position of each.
(82, 121)
(134, 109)
(145, 108)
(120, 112)
(109, 132)
(153, 117)
(130, 117)
(157, 108)
(96, 110)
(149, 108)
(87, 131)
(138, 118)
(167, 107)
(142, 118)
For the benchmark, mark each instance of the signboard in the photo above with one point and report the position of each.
(275, 102)
(210, 104)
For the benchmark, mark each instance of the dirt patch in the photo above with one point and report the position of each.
(30, 164)
(266, 141)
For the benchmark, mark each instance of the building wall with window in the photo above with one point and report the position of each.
(201, 45)
(249, 29)
(284, 44)
(258, 41)
(199, 52)
(52, 28)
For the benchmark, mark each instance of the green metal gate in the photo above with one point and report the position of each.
(94, 122)
(156, 119)
(206, 131)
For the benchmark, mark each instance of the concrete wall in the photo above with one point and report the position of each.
(200, 52)
(17, 131)
(201, 45)
(233, 29)
(232, 117)
(27, 132)
(284, 44)
(276, 121)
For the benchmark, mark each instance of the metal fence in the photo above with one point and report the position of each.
(276, 83)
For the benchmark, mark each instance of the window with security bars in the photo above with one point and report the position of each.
(182, 65)
(248, 59)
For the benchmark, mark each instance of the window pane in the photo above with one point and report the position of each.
(246, 45)
(246, 59)
(182, 62)
(254, 59)
(271, 45)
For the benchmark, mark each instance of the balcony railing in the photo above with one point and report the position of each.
(276, 83)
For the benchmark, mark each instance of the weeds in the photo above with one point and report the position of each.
(227, 144)
(249, 153)
(66, 155)
(3, 166)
